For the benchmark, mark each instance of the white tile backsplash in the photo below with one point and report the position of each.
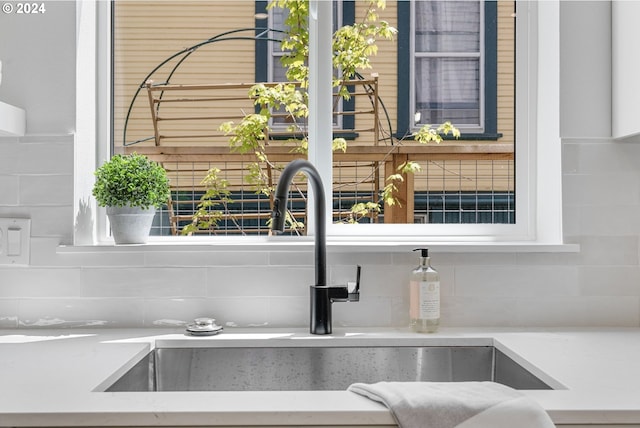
(175, 312)
(602, 156)
(206, 258)
(370, 311)
(479, 311)
(578, 311)
(603, 188)
(38, 156)
(9, 189)
(351, 258)
(81, 312)
(51, 220)
(486, 259)
(514, 282)
(242, 311)
(136, 282)
(609, 281)
(548, 259)
(285, 311)
(47, 189)
(40, 282)
(609, 250)
(599, 286)
(598, 219)
(290, 258)
(259, 281)
(571, 223)
(612, 311)
(9, 313)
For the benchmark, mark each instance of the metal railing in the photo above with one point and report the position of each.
(188, 142)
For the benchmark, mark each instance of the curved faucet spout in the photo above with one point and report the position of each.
(321, 295)
(280, 208)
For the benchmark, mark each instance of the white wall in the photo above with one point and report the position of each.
(600, 286)
(38, 66)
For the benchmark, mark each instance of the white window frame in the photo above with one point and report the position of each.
(538, 138)
(479, 128)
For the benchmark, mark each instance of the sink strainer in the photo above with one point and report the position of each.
(203, 327)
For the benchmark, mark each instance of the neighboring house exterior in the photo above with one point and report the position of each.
(468, 50)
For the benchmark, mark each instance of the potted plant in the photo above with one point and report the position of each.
(131, 187)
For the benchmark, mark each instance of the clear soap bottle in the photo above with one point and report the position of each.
(424, 296)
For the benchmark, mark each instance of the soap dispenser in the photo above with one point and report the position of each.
(424, 296)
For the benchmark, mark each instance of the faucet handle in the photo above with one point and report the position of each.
(342, 293)
(354, 296)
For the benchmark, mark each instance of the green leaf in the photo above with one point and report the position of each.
(339, 144)
(131, 180)
(409, 167)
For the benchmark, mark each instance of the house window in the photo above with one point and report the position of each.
(277, 18)
(450, 48)
(447, 54)
(269, 54)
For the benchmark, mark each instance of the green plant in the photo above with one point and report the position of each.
(353, 47)
(131, 180)
(208, 214)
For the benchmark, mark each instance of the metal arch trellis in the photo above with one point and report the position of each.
(261, 34)
(185, 53)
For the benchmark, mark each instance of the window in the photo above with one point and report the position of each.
(276, 21)
(269, 54)
(450, 49)
(447, 56)
(486, 232)
(449, 52)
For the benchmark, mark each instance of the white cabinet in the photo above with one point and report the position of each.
(625, 79)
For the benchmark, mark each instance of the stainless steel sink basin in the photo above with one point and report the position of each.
(318, 368)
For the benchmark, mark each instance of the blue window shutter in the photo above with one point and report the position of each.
(491, 67)
(348, 18)
(404, 64)
(262, 47)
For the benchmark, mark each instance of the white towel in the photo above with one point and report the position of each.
(456, 404)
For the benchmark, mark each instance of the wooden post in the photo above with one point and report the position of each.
(152, 106)
(401, 212)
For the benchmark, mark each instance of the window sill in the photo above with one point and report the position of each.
(347, 135)
(274, 244)
(464, 136)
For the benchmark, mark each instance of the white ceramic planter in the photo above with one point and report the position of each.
(130, 225)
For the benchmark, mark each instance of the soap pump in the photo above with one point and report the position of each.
(424, 296)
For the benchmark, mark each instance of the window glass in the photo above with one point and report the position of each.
(447, 26)
(447, 89)
(447, 63)
(465, 181)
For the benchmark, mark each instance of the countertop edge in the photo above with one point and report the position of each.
(574, 357)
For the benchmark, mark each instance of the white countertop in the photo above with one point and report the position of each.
(49, 377)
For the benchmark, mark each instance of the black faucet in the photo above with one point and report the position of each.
(321, 294)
